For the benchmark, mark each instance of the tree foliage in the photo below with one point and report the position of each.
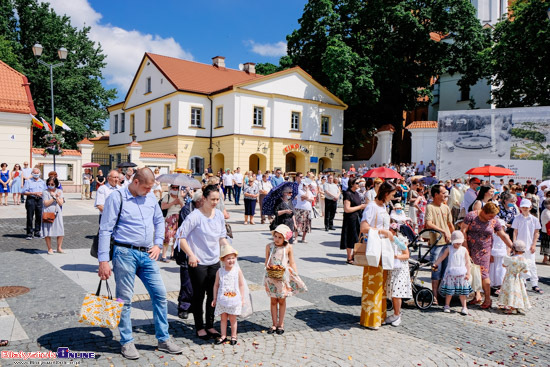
(520, 58)
(379, 56)
(79, 97)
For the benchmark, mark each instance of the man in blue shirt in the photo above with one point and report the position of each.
(277, 179)
(33, 189)
(344, 182)
(138, 235)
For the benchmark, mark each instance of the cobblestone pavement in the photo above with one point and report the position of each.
(322, 325)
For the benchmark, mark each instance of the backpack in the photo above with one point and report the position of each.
(164, 211)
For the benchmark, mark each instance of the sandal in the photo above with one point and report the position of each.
(220, 340)
(349, 261)
(280, 331)
(4, 343)
(474, 302)
(233, 341)
(272, 330)
(486, 306)
(537, 290)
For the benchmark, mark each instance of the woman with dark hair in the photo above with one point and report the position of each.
(284, 212)
(531, 194)
(508, 211)
(544, 233)
(16, 184)
(478, 229)
(4, 183)
(200, 236)
(484, 195)
(373, 300)
(52, 200)
(352, 215)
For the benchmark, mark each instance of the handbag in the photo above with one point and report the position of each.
(102, 311)
(229, 230)
(374, 248)
(359, 250)
(95, 241)
(388, 254)
(475, 281)
(48, 217)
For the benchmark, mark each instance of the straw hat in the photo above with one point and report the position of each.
(227, 250)
(284, 230)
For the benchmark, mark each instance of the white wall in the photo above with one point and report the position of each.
(228, 103)
(15, 138)
(160, 86)
(489, 11)
(423, 145)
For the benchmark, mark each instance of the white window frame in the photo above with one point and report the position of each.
(258, 116)
(115, 127)
(327, 132)
(193, 120)
(295, 117)
(219, 116)
(167, 115)
(193, 164)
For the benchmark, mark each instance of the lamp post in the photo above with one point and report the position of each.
(62, 54)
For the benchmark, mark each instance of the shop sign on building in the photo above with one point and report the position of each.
(295, 148)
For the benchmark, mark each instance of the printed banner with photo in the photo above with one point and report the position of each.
(466, 137)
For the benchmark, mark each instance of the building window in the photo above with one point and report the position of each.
(148, 85)
(115, 129)
(219, 116)
(465, 94)
(148, 120)
(196, 116)
(132, 124)
(167, 117)
(325, 125)
(295, 121)
(196, 164)
(122, 122)
(258, 116)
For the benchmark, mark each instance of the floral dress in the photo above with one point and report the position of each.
(229, 299)
(480, 240)
(512, 291)
(421, 214)
(291, 283)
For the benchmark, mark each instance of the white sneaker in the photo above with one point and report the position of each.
(447, 309)
(397, 322)
(464, 311)
(390, 319)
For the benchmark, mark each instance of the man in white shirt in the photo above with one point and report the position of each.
(332, 194)
(105, 190)
(455, 199)
(227, 184)
(237, 184)
(128, 176)
(470, 194)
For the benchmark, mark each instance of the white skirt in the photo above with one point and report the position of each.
(497, 271)
(398, 283)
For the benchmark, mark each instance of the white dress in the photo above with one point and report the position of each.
(229, 298)
(496, 270)
(398, 282)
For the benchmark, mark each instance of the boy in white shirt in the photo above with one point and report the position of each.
(526, 228)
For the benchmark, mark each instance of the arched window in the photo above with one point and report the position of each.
(196, 164)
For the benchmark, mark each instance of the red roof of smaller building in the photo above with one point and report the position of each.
(422, 125)
(387, 127)
(67, 152)
(156, 155)
(85, 141)
(15, 94)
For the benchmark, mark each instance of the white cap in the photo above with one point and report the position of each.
(525, 203)
(457, 237)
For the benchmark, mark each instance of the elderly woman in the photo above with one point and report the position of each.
(303, 209)
(478, 228)
(284, 212)
(508, 211)
(353, 208)
(264, 186)
(52, 202)
(373, 300)
(200, 236)
(251, 193)
(172, 203)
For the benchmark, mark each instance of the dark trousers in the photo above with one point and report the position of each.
(186, 290)
(249, 206)
(227, 190)
(203, 278)
(330, 212)
(34, 209)
(237, 191)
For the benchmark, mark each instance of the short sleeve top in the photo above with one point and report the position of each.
(376, 216)
(479, 230)
(354, 200)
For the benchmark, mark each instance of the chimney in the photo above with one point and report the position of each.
(250, 68)
(219, 62)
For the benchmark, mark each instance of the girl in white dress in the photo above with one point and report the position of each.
(455, 282)
(229, 293)
(498, 253)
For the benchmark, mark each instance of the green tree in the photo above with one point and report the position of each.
(380, 56)
(520, 58)
(79, 97)
(8, 56)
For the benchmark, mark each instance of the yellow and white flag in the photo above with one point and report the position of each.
(58, 122)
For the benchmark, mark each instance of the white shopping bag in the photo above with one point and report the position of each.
(387, 254)
(374, 248)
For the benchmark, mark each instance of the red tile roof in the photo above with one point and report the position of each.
(99, 138)
(15, 94)
(71, 152)
(85, 141)
(192, 76)
(387, 127)
(156, 155)
(422, 125)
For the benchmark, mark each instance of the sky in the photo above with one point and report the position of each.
(241, 30)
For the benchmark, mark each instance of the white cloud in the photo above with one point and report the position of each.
(268, 49)
(124, 48)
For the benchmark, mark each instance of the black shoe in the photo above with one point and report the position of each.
(233, 341)
(29, 236)
(326, 229)
(271, 330)
(280, 331)
(220, 340)
(203, 337)
(332, 228)
(183, 315)
(213, 335)
(37, 234)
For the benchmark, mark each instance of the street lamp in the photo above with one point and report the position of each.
(62, 54)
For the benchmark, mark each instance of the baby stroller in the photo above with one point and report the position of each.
(423, 296)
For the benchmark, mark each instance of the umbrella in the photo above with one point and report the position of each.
(490, 171)
(430, 180)
(273, 197)
(183, 170)
(382, 172)
(90, 165)
(179, 179)
(126, 165)
(328, 170)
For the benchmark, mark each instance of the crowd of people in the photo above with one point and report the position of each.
(489, 233)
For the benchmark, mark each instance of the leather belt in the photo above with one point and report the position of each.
(142, 249)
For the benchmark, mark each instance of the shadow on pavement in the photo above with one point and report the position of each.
(252, 259)
(318, 260)
(30, 251)
(330, 243)
(345, 300)
(81, 339)
(80, 267)
(330, 319)
(10, 235)
(338, 255)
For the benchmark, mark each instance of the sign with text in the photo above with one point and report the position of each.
(295, 148)
(524, 169)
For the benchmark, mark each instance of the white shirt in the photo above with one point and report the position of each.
(545, 218)
(526, 227)
(103, 192)
(264, 185)
(27, 173)
(332, 190)
(469, 197)
(238, 178)
(376, 216)
(371, 195)
(227, 179)
(301, 203)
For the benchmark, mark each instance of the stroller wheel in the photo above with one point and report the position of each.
(389, 304)
(424, 298)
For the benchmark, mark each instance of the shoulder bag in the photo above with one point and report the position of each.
(49, 217)
(95, 242)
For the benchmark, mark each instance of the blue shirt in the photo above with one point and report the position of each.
(276, 181)
(33, 185)
(345, 181)
(141, 222)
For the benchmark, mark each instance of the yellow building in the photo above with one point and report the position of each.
(189, 115)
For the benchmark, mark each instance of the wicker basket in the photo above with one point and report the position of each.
(275, 274)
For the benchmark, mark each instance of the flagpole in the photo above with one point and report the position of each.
(53, 114)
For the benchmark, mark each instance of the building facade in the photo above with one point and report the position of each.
(208, 114)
